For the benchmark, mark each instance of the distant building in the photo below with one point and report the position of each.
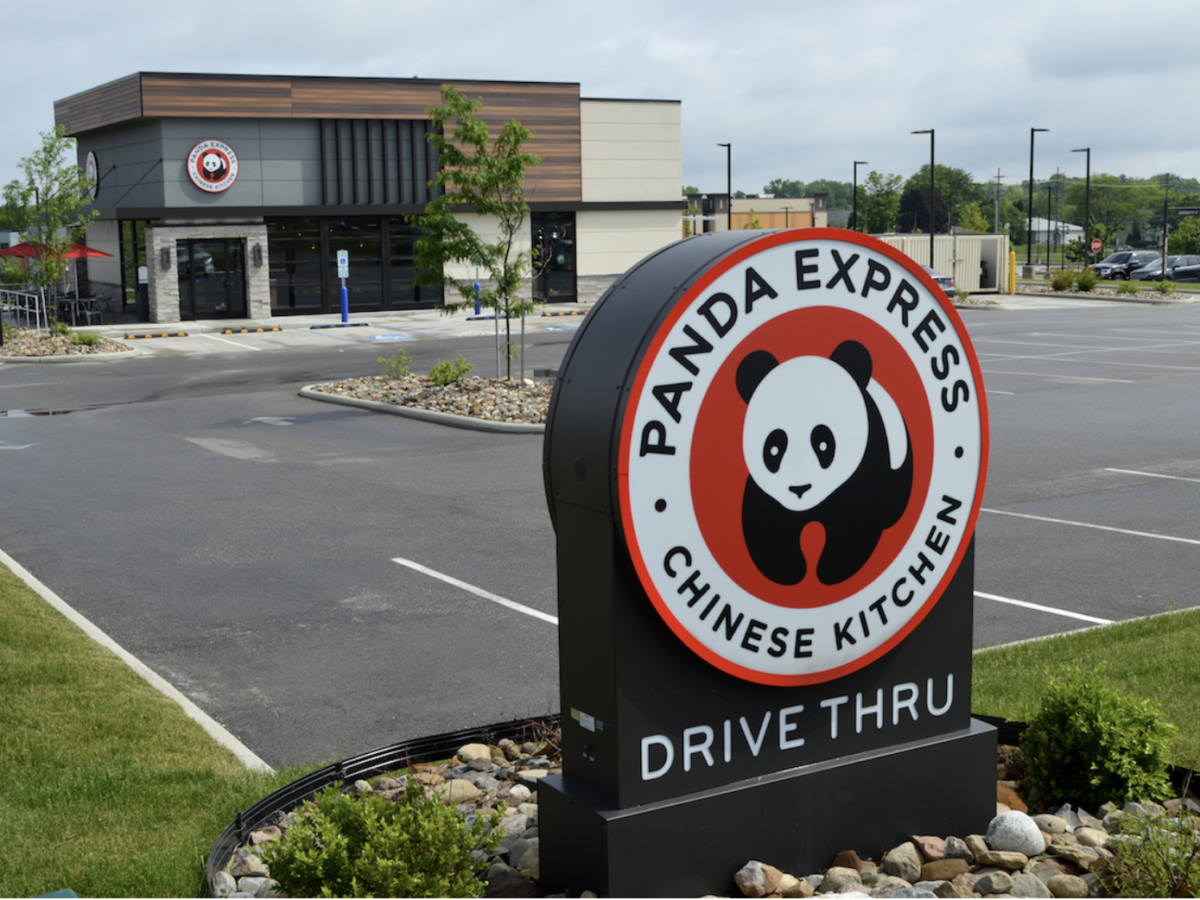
(1055, 232)
(770, 212)
(227, 196)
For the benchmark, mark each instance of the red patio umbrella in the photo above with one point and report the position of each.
(32, 251)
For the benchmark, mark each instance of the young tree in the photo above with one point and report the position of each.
(841, 193)
(913, 216)
(879, 202)
(487, 178)
(49, 205)
(971, 219)
(952, 185)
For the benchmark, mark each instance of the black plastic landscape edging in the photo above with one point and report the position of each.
(365, 765)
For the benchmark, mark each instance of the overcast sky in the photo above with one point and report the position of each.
(801, 89)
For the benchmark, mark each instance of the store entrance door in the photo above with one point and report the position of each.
(212, 279)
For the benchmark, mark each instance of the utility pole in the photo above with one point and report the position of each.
(998, 177)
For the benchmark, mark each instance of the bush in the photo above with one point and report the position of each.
(60, 328)
(447, 372)
(962, 294)
(343, 846)
(1086, 280)
(1129, 287)
(395, 367)
(85, 339)
(1165, 287)
(1156, 855)
(1091, 744)
(1062, 280)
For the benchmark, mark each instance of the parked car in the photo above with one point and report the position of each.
(1187, 270)
(1119, 265)
(945, 282)
(1153, 272)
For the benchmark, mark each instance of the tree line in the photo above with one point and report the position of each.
(892, 203)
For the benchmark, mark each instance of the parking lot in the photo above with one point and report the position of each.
(325, 580)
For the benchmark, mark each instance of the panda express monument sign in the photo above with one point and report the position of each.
(764, 459)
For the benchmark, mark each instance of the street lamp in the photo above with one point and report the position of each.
(728, 185)
(1029, 223)
(785, 216)
(1087, 205)
(854, 219)
(929, 131)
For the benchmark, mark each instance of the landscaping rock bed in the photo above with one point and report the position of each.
(489, 399)
(26, 342)
(1063, 852)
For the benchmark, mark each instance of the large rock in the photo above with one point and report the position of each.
(1009, 860)
(943, 869)
(837, 878)
(931, 846)
(1091, 837)
(1050, 824)
(468, 752)
(1015, 831)
(1010, 798)
(1067, 886)
(956, 848)
(457, 791)
(994, 883)
(848, 859)
(246, 864)
(757, 879)
(1028, 886)
(791, 886)
(903, 862)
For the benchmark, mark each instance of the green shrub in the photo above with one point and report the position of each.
(395, 367)
(1156, 855)
(1062, 280)
(1165, 287)
(1091, 744)
(60, 328)
(1086, 280)
(343, 846)
(447, 372)
(1129, 287)
(962, 294)
(85, 339)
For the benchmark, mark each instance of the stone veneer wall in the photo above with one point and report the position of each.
(164, 283)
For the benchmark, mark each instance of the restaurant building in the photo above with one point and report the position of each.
(229, 196)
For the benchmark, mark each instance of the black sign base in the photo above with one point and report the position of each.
(796, 820)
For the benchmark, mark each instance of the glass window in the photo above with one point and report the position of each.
(294, 261)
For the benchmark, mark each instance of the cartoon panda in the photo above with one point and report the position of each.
(213, 166)
(823, 443)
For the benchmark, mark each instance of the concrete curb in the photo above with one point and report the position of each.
(425, 415)
(218, 733)
(1112, 298)
(73, 358)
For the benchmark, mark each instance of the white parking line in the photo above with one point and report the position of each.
(213, 337)
(1146, 534)
(1048, 609)
(477, 591)
(1154, 475)
(1055, 377)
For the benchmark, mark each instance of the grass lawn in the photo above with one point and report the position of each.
(1156, 657)
(108, 788)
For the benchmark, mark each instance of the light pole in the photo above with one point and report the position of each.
(1029, 223)
(1087, 205)
(785, 216)
(929, 131)
(728, 185)
(854, 218)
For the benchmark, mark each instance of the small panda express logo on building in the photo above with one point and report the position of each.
(802, 456)
(212, 166)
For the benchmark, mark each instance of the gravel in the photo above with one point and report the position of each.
(26, 342)
(492, 399)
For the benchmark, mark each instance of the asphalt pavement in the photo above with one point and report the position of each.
(324, 580)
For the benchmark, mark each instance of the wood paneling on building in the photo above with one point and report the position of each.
(551, 111)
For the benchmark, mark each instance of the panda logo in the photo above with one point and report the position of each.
(213, 166)
(823, 442)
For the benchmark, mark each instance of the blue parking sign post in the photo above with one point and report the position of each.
(343, 264)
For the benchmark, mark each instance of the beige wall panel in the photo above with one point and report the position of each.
(600, 150)
(630, 151)
(612, 242)
(626, 111)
